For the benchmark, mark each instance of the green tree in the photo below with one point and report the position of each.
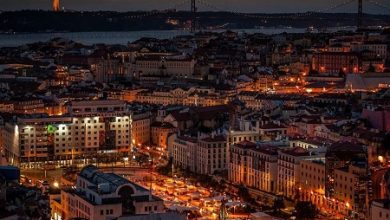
(305, 210)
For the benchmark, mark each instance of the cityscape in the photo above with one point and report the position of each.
(195, 111)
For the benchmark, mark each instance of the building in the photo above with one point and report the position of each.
(380, 210)
(253, 165)
(160, 132)
(163, 66)
(289, 168)
(35, 139)
(312, 182)
(28, 105)
(367, 81)
(6, 106)
(339, 155)
(141, 128)
(335, 62)
(184, 152)
(379, 117)
(98, 108)
(178, 96)
(351, 189)
(212, 154)
(102, 196)
(271, 131)
(107, 70)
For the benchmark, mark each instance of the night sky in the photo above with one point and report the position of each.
(267, 6)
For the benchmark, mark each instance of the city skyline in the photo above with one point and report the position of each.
(252, 6)
(195, 109)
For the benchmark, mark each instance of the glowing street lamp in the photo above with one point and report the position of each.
(56, 184)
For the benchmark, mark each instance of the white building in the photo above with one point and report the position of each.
(185, 153)
(380, 210)
(102, 196)
(38, 138)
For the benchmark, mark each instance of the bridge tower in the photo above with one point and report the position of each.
(360, 14)
(193, 16)
(56, 5)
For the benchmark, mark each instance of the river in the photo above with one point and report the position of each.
(88, 38)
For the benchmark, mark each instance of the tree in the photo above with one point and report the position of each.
(244, 194)
(305, 210)
(278, 205)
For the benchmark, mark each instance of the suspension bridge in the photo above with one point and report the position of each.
(194, 9)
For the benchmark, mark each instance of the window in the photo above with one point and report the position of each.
(101, 212)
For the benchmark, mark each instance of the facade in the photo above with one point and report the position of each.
(312, 182)
(380, 210)
(190, 97)
(272, 131)
(141, 128)
(185, 153)
(29, 106)
(6, 107)
(334, 62)
(379, 117)
(97, 108)
(351, 189)
(254, 166)
(289, 168)
(104, 196)
(212, 154)
(37, 139)
(160, 133)
(163, 66)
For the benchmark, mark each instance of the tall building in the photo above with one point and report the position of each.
(56, 5)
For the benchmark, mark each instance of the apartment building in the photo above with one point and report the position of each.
(141, 127)
(212, 154)
(351, 189)
(312, 182)
(289, 165)
(39, 138)
(253, 165)
(184, 153)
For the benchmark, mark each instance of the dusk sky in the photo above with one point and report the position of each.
(267, 6)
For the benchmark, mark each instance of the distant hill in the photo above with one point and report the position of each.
(47, 21)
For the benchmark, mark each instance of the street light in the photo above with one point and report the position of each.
(56, 184)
